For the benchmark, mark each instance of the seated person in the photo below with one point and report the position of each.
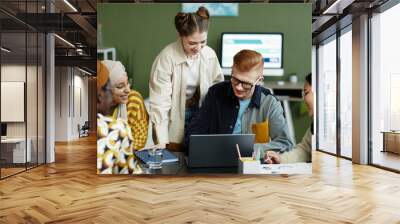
(104, 97)
(302, 151)
(127, 104)
(114, 138)
(240, 105)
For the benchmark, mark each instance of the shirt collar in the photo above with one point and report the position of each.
(256, 98)
(181, 56)
(180, 53)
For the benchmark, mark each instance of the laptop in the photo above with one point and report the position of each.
(218, 150)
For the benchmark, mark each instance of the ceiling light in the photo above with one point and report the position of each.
(86, 72)
(338, 6)
(70, 5)
(329, 9)
(65, 41)
(5, 49)
(79, 51)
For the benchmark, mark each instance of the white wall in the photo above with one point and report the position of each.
(71, 94)
(34, 124)
(314, 87)
(61, 103)
(80, 110)
(10, 73)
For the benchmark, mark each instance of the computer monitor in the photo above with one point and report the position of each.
(269, 45)
(3, 129)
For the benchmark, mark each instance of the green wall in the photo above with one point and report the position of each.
(140, 31)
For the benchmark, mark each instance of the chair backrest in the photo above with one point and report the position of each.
(86, 125)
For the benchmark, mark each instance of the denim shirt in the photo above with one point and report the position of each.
(219, 113)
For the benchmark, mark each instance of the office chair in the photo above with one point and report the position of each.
(84, 130)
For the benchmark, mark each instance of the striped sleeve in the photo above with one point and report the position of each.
(138, 119)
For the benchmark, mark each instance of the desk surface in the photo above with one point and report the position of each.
(391, 132)
(286, 85)
(286, 168)
(288, 91)
(13, 140)
(180, 168)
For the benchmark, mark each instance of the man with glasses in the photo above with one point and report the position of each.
(243, 107)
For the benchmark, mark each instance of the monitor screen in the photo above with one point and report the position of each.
(3, 129)
(269, 45)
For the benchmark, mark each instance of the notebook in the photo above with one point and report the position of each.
(168, 157)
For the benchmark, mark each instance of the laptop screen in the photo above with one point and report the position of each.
(3, 129)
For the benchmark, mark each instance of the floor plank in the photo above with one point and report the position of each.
(69, 191)
(386, 159)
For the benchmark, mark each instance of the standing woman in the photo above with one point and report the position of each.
(180, 77)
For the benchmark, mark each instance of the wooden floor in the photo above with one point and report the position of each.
(10, 171)
(5, 172)
(69, 191)
(387, 159)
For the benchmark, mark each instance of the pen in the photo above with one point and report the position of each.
(266, 157)
(238, 151)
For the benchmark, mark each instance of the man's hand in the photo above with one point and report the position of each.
(271, 157)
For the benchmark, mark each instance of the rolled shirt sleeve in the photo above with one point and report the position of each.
(160, 87)
(301, 152)
(278, 131)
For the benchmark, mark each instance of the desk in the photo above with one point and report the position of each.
(286, 168)
(288, 91)
(391, 141)
(180, 168)
(17, 149)
(168, 168)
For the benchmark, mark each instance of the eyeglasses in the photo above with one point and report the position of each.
(245, 85)
(304, 93)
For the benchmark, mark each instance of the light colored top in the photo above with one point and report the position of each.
(238, 125)
(301, 152)
(193, 78)
(168, 80)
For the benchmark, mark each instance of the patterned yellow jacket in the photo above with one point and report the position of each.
(138, 119)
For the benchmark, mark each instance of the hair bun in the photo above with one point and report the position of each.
(203, 12)
(188, 23)
(182, 17)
